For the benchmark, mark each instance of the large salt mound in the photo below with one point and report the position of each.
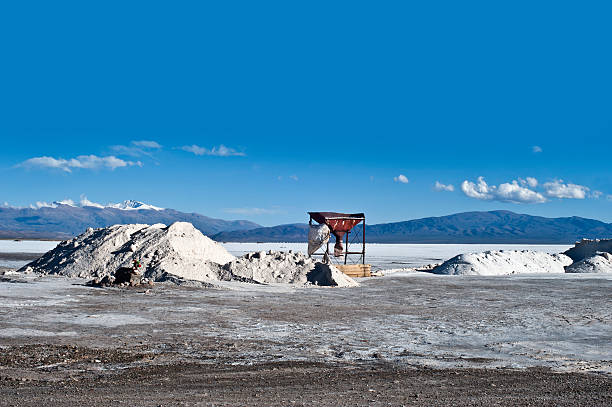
(179, 250)
(287, 267)
(600, 262)
(503, 262)
(589, 247)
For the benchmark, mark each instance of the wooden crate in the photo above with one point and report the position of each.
(356, 270)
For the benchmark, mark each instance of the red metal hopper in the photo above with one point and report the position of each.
(339, 224)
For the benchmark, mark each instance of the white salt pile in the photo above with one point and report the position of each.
(600, 262)
(287, 267)
(588, 247)
(177, 252)
(503, 262)
(591, 256)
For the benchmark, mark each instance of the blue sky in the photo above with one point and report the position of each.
(264, 110)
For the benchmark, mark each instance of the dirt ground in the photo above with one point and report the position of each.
(398, 340)
(287, 383)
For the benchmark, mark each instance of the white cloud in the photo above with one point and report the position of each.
(557, 189)
(39, 205)
(536, 149)
(524, 191)
(252, 211)
(138, 148)
(197, 150)
(506, 192)
(221, 151)
(291, 177)
(54, 204)
(86, 202)
(401, 178)
(443, 187)
(68, 202)
(147, 144)
(480, 190)
(513, 192)
(82, 161)
(529, 181)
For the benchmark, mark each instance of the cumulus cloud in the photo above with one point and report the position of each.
(479, 190)
(527, 190)
(513, 192)
(536, 149)
(83, 161)
(529, 181)
(507, 192)
(220, 151)
(558, 189)
(443, 187)
(401, 178)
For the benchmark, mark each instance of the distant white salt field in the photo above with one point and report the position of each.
(27, 246)
(381, 256)
(394, 256)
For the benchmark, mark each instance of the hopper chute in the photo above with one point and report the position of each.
(339, 224)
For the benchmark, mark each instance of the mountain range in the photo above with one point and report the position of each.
(61, 220)
(468, 227)
(64, 219)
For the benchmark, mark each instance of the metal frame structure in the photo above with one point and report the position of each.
(351, 217)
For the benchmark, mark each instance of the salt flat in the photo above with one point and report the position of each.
(560, 322)
(27, 246)
(393, 256)
(381, 256)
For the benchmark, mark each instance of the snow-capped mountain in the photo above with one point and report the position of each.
(131, 205)
(62, 219)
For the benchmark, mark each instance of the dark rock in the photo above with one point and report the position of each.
(126, 275)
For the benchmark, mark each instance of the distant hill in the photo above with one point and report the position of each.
(469, 227)
(294, 232)
(60, 221)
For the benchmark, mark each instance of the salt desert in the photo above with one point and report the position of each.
(488, 335)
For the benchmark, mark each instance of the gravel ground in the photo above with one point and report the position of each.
(306, 384)
(396, 340)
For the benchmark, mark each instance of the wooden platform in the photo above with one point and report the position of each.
(356, 270)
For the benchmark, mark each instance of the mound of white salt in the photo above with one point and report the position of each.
(600, 262)
(287, 267)
(588, 248)
(503, 262)
(179, 250)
